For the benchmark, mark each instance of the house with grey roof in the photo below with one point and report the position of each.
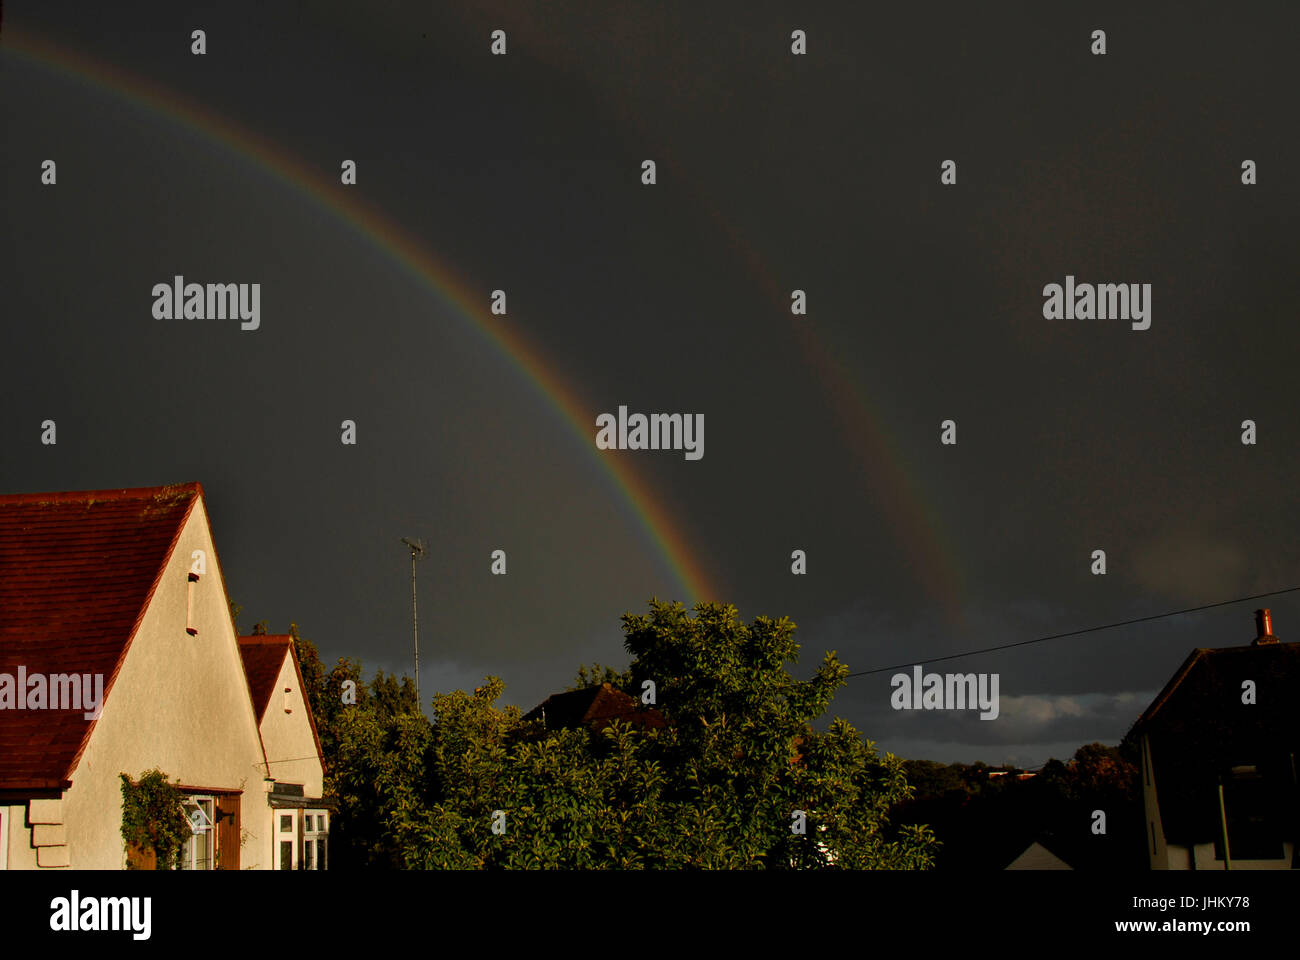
(1218, 758)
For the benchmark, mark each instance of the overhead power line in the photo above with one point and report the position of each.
(1074, 633)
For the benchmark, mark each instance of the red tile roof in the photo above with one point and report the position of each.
(77, 572)
(594, 707)
(263, 656)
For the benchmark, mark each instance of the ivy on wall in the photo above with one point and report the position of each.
(153, 821)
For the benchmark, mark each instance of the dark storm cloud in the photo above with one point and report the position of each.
(776, 173)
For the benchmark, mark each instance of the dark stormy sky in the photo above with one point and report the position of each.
(775, 172)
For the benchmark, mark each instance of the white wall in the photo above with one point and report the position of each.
(290, 746)
(180, 703)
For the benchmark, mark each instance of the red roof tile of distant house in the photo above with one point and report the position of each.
(594, 707)
(263, 655)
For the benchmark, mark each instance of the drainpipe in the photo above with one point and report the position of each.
(1223, 825)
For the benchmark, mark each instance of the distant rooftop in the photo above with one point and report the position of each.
(594, 707)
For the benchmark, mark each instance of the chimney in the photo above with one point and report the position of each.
(1264, 627)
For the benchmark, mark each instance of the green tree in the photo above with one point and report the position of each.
(715, 788)
(379, 778)
(598, 673)
(741, 752)
(393, 696)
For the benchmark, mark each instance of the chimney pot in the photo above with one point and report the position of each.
(1264, 627)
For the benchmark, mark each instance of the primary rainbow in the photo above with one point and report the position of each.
(654, 519)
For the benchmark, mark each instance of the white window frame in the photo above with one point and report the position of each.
(320, 831)
(197, 801)
(293, 836)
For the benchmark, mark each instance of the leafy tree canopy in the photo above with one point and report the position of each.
(719, 786)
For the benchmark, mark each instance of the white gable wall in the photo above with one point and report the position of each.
(180, 703)
(290, 746)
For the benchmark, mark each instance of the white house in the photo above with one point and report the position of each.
(118, 654)
(1218, 753)
(301, 827)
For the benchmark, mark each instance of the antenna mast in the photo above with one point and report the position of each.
(417, 553)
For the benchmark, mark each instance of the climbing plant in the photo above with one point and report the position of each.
(153, 820)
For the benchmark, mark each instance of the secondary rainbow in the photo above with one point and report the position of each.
(919, 533)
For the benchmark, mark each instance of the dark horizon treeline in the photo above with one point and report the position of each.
(985, 817)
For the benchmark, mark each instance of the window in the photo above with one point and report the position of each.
(286, 823)
(315, 840)
(200, 848)
(286, 854)
(1255, 815)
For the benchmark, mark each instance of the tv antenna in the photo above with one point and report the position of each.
(417, 553)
